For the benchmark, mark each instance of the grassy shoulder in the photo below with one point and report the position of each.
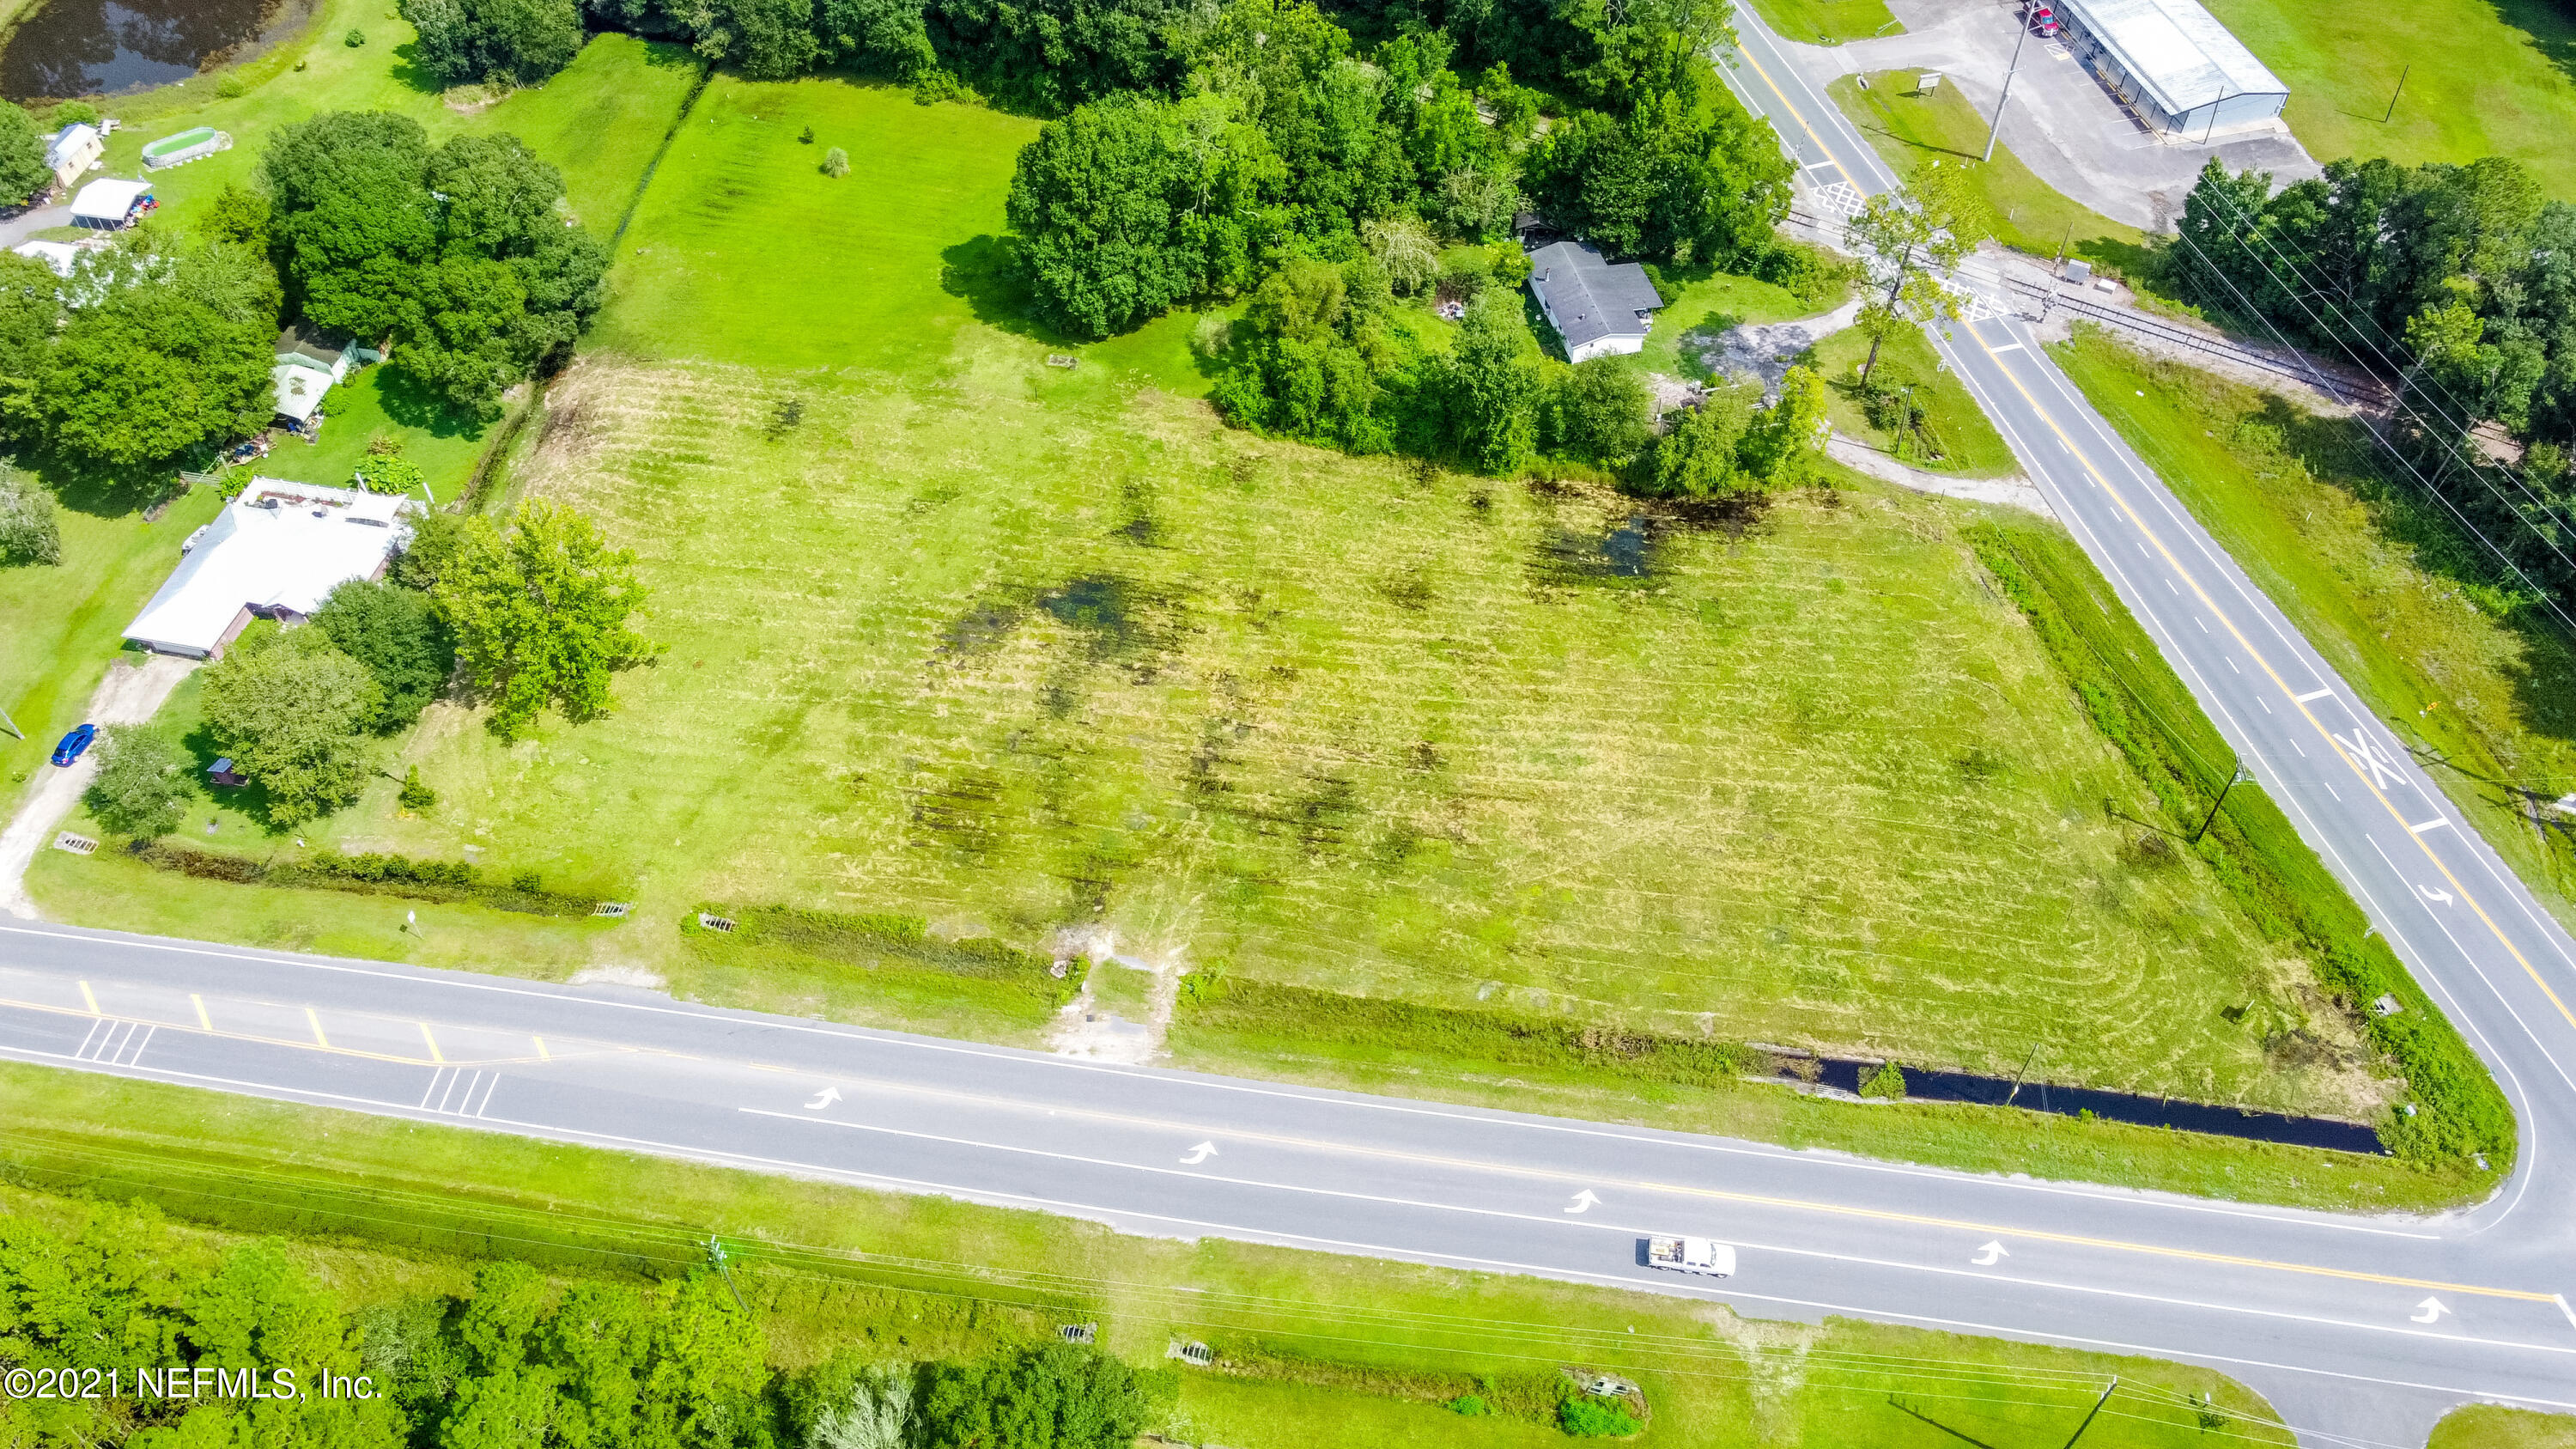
(2377, 581)
(1311, 1348)
(1954, 435)
(1910, 127)
(2493, 1426)
(2482, 78)
(1828, 22)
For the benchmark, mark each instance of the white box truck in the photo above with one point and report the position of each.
(1691, 1255)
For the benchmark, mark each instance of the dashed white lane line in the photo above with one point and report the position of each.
(2436, 823)
(2312, 696)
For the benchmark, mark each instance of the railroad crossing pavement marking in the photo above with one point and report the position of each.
(319, 1039)
(205, 1023)
(1584, 1180)
(434, 1057)
(2302, 701)
(88, 999)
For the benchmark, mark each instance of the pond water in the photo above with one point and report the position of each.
(94, 47)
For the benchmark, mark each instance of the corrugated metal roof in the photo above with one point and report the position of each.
(2177, 50)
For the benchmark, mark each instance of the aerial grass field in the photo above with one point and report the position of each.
(1911, 127)
(1023, 649)
(2372, 577)
(1313, 1349)
(2482, 78)
(1969, 444)
(2493, 1426)
(1828, 22)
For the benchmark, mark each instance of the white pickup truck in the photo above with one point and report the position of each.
(1691, 1255)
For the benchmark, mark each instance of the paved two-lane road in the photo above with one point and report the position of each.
(2325, 1314)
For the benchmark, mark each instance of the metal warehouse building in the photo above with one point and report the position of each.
(2174, 63)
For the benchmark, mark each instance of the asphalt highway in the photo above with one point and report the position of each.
(2501, 967)
(2344, 1321)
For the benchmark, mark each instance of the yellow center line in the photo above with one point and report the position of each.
(2287, 692)
(434, 1057)
(88, 999)
(542, 1054)
(205, 1023)
(319, 1039)
(1886, 1215)
(1785, 104)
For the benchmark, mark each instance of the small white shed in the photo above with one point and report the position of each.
(110, 203)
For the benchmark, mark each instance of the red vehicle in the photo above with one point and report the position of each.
(2043, 22)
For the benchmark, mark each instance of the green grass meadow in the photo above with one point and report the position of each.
(1313, 1348)
(2482, 78)
(2493, 1426)
(1828, 22)
(1911, 127)
(2364, 569)
(1971, 446)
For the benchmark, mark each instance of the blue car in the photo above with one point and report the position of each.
(74, 744)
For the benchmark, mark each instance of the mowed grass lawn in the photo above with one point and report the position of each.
(1828, 21)
(1020, 649)
(1970, 445)
(2487, 78)
(1911, 127)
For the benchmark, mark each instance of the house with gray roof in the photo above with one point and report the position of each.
(1597, 306)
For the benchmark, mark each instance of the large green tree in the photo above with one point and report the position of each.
(540, 612)
(458, 255)
(23, 171)
(1131, 205)
(29, 532)
(397, 634)
(1494, 388)
(166, 351)
(1054, 1397)
(144, 781)
(515, 40)
(289, 708)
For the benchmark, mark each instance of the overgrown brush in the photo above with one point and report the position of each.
(373, 874)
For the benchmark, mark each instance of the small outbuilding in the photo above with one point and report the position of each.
(72, 150)
(1599, 307)
(276, 552)
(222, 774)
(301, 346)
(2173, 63)
(61, 256)
(112, 204)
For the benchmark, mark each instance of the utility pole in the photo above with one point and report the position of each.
(12, 725)
(2393, 95)
(2097, 1408)
(1998, 128)
(716, 1256)
(2239, 778)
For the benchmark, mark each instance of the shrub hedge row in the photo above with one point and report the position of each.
(379, 875)
(2133, 696)
(876, 940)
(1268, 1008)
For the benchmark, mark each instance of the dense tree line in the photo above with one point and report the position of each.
(456, 256)
(2456, 284)
(517, 1360)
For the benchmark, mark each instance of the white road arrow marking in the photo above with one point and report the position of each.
(2428, 1310)
(1583, 1201)
(1199, 1154)
(2430, 894)
(823, 1099)
(1991, 1254)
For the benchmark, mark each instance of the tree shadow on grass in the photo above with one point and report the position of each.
(2542, 674)
(414, 405)
(105, 490)
(985, 272)
(2550, 26)
(407, 70)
